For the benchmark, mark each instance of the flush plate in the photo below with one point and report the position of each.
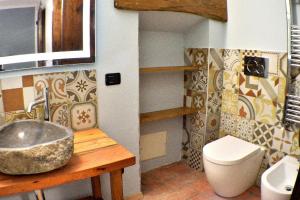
(255, 66)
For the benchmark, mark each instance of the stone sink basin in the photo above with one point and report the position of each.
(32, 147)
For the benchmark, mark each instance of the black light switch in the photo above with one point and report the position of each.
(113, 79)
(255, 66)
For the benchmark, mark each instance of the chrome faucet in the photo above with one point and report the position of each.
(44, 101)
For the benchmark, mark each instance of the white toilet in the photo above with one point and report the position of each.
(231, 165)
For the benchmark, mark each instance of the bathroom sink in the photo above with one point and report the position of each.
(278, 181)
(32, 147)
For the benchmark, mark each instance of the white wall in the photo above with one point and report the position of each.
(160, 91)
(117, 51)
(252, 24)
(198, 36)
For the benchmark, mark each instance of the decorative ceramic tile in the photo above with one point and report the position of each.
(232, 60)
(16, 93)
(83, 116)
(230, 81)
(265, 111)
(197, 141)
(263, 134)
(260, 173)
(215, 80)
(212, 136)
(19, 115)
(196, 57)
(245, 107)
(11, 83)
(213, 122)
(281, 90)
(248, 85)
(81, 86)
(214, 102)
(56, 83)
(2, 119)
(195, 160)
(275, 156)
(60, 114)
(229, 102)
(198, 123)
(282, 140)
(245, 129)
(279, 115)
(1, 101)
(295, 149)
(199, 101)
(273, 60)
(268, 88)
(199, 81)
(13, 100)
(228, 124)
(283, 60)
(215, 59)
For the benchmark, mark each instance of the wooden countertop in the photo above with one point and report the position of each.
(94, 154)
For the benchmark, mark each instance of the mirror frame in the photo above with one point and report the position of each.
(87, 55)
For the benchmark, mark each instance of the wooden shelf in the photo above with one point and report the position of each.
(165, 114)
(167, 69)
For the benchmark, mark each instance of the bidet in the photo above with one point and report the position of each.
(278, 181)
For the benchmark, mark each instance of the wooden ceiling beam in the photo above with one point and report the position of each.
(214, 9)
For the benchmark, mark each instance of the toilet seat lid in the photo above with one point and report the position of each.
(229, 150)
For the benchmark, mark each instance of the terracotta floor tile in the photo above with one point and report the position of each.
(179, 182)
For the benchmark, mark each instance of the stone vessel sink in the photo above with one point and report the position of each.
(32, 147)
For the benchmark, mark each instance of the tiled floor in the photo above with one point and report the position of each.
(179, 182)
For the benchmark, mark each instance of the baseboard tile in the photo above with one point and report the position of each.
(138, 196)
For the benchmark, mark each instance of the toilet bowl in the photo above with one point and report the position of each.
(231, 165)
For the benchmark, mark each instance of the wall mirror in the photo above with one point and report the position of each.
(45, 33)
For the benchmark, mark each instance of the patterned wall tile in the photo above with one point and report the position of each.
(228, 124)
(213, 122)
(81, 86)
(19, 115)
(214, 102)
(248, 85)
(274, 156)
(230, 81)
(199, 81)
(295, 149)
(197, 141)
(20, 89)
(245, 107)
(60, 114)
(245, 129)
(215, 59)
(195, 160)
(211, 136)
(83, 116)
(199, 101)
(215, 80)
(198, 123)
(273, 60)
(283, 140)
(263, 134)
(283, 62)
(196, 57)
(265, 111)
(268, 88)
(281, 90)
(56, 83)
(232, 60)
(229, 102)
